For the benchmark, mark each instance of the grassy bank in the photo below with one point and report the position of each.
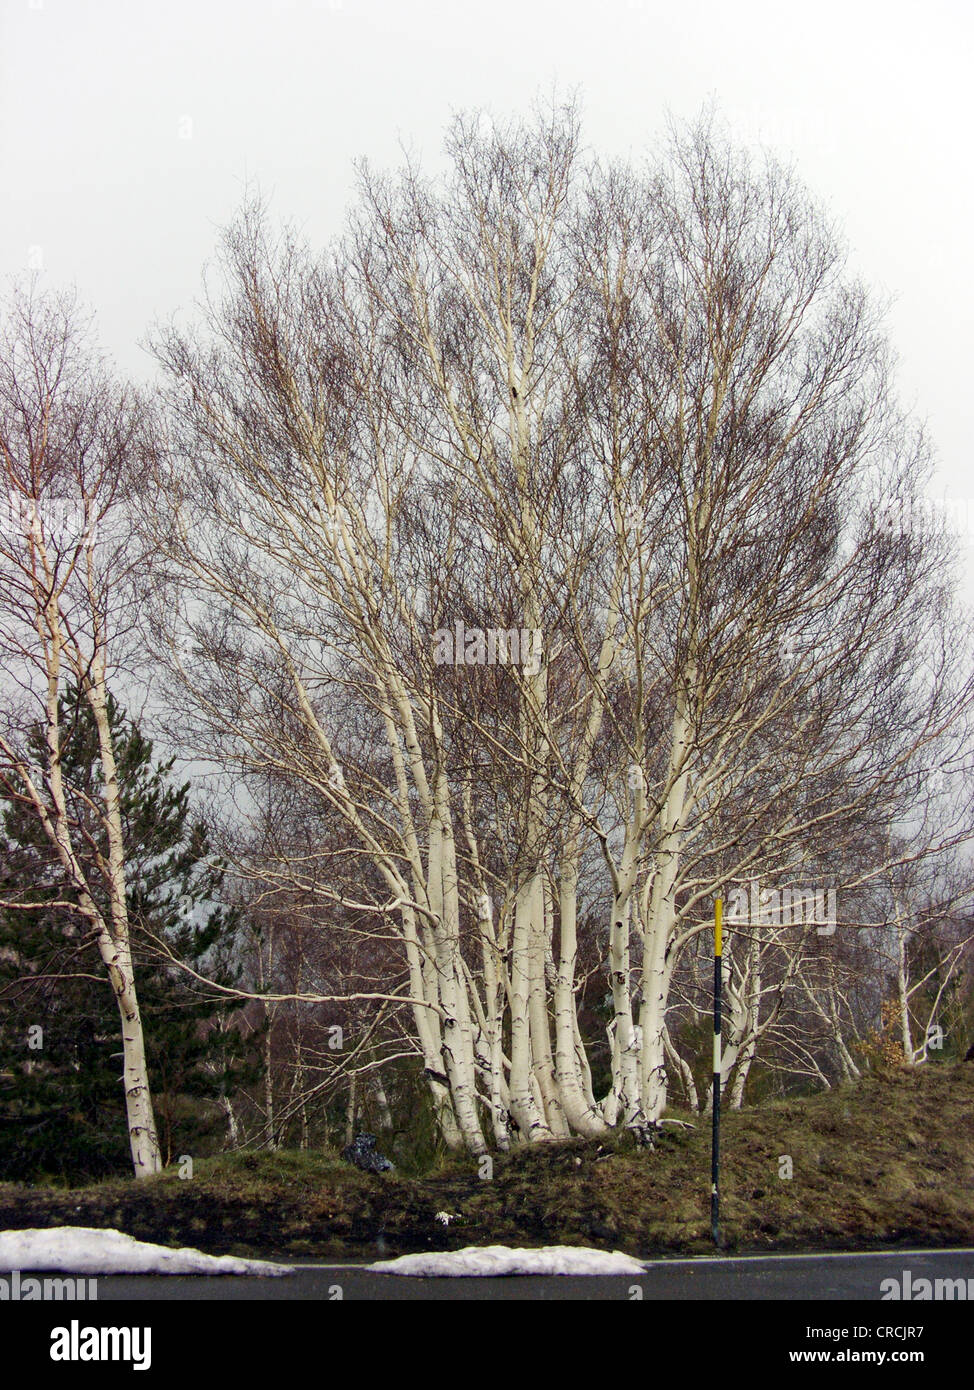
(888, 1161)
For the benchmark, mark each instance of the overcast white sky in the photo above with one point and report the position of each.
(101, 184)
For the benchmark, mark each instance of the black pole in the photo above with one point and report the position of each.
(715, 1144)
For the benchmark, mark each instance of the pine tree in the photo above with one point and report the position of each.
(62, 1110)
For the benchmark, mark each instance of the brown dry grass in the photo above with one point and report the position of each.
(889, 1161)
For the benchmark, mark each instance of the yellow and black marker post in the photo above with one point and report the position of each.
(715, 1108)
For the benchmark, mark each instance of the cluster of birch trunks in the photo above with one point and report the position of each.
(633, 432)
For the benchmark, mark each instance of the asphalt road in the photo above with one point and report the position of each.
(792, 1277)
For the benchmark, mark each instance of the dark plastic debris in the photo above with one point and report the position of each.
(361, 1152)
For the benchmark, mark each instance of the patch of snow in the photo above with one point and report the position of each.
(89, 1250)
(495, 1261)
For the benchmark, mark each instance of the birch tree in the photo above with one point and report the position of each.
(67, 595)
(640, 422)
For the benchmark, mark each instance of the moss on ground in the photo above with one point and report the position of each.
(885, 1162)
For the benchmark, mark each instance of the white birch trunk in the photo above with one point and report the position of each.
(457, 1033)
(115, 949)
(579, 1107)
(660, 919)
(543, 1062)
(528, 1114)
(752, 1018)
